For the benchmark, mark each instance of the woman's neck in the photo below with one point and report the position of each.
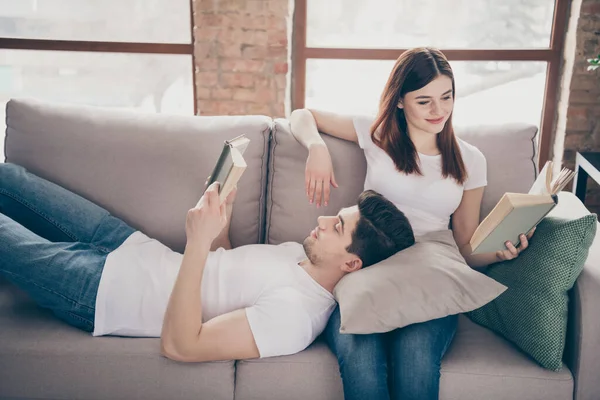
(425, 143)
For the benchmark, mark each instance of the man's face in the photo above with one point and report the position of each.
(326, 245)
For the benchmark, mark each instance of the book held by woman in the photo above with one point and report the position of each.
(518, 213)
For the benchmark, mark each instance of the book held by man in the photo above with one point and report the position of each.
(518, 213)
(230, 166)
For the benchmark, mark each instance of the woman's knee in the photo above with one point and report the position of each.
(11, 170)
(366, 349)
(354, 349)
(421, 347)
(362, 363)
(9, 173)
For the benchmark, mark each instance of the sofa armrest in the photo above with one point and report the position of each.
(582, 349)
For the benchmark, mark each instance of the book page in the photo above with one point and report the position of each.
(241, 143)
(540, 186)
(563, 178)
(238, 166)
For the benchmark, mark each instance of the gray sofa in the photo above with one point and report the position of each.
(149, 170)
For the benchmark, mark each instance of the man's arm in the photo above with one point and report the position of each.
(184, 337)
(223, 239)
(226, 337)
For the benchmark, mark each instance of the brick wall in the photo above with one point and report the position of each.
(242, 56)
(583, 111)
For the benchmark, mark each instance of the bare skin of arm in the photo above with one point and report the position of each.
(305, 126)
(184, 336)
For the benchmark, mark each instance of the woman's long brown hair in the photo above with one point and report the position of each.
(413, 70)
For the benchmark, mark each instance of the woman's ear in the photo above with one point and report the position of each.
(400, 105)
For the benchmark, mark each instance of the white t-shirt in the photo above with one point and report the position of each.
(286, 308)
(427, 200)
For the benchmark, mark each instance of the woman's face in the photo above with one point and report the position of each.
(427, 109)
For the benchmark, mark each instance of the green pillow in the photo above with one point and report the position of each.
(532, 312)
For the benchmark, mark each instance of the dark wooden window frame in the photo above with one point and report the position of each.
(552, 55)
(110, 47)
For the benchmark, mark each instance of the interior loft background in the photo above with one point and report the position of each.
(269, 56)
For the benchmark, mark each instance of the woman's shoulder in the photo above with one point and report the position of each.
(363, 122)
(471, 154)
(362, 126)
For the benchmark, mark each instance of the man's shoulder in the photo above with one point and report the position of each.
(293, 250)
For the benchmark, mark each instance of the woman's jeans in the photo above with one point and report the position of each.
(53, 244)
(402, 364)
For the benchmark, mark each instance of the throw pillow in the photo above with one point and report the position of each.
(428, 280)
(532, 313)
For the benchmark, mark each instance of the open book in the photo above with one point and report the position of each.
(230, 166)
(518, 213)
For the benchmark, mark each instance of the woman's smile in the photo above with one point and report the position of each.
(435, 121)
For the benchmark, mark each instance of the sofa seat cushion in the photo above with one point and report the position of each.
(311, 374)
(478, 365)
(43, 358)
(481, 365)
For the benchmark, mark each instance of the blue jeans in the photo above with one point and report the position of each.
(413, 354)
(53, 244)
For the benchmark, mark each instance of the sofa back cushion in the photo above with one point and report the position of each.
(147, 169)
(289, 215)
(509, 150)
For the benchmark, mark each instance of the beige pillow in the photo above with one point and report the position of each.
(427, 281)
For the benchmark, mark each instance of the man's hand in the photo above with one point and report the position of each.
(231, 197)
(222, 240)
(205, 221)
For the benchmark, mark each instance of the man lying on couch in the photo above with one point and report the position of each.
(211, 303)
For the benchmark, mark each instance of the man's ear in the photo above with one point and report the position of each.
(352, 265)
(400, 104)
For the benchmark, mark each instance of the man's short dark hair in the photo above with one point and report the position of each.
(381, 231)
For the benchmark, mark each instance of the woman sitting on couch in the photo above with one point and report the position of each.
(414, 160)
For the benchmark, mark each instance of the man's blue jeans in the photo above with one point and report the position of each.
(402, 364)
(53, 244)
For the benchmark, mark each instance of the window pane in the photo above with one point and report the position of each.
(160, 21)
(148, 82)
(487, 92)
(457, 24)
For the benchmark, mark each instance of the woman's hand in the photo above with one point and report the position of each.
(513, 252)
(319, 175)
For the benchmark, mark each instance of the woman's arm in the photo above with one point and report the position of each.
(305, 126)
(464, 222)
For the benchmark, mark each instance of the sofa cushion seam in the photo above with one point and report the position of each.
(507, 376)
(271, 174)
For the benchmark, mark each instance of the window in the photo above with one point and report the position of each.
(136, 54)
(505, 55)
